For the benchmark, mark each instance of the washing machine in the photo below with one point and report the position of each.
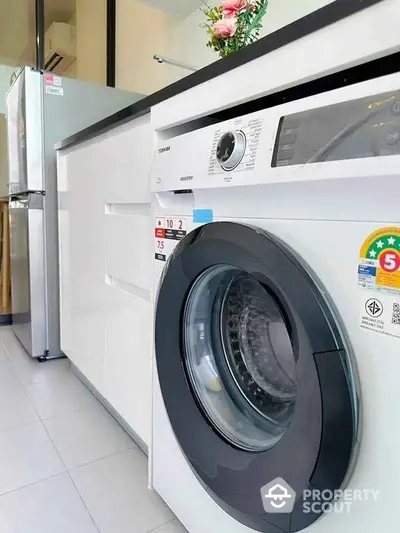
(277, 317)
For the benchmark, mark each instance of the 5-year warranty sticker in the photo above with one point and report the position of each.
(379, 275)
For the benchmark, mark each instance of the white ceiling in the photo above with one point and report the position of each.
(175, 7)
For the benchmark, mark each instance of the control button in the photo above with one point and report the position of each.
(393, 137)
(285, 152)
(231, 149)
(395, 108)
(288, 135)
(288, 138)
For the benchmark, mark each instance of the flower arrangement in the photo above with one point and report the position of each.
(234, 24)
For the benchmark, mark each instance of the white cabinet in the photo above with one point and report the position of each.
(105, 266)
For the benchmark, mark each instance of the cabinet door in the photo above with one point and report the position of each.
(128, 359)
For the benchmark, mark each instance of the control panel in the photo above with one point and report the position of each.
(255, 148)
(366, 127)
(236, 149)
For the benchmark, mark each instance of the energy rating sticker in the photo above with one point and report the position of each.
(379, 264)
(168, 232)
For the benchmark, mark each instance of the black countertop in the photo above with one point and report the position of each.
(317, 20)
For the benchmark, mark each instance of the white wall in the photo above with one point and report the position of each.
(180, 38)
(5, 74)
(91, 41)
(16, 29)
(142, 31)
(282, 12)
(188, 39)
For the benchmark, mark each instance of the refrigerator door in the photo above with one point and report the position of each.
(68, 106)
(27, 272)
(25, 133)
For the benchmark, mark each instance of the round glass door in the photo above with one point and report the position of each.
(239, 357)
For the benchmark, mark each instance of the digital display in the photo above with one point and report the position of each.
(366, 127)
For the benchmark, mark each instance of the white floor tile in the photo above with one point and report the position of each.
(60, 396)
(51, 506)
(29, 370)
(115, 492)
(15, 409)
(87, 435)
(15, 406)
(26, 456)
(36, 495)
(171, 527)
(8, 377)
(3, 352)
(4, 329)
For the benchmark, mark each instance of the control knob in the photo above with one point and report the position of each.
(231, 149)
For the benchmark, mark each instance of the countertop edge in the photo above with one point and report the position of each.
(321, 18)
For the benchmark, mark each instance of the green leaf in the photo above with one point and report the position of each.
(257, 21)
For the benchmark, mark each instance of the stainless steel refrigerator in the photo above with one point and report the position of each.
(43, 109)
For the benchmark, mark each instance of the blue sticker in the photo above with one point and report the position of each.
(365, 270)
(203, 216)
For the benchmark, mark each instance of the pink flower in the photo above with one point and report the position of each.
(230, 8)
(224, 28)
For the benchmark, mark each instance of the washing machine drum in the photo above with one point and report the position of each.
(255, 375)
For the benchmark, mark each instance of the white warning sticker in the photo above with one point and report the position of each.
(168, 232)
(381, 314)
(57, 91)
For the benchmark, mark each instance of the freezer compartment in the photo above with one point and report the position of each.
(28, 272)
(25, 133)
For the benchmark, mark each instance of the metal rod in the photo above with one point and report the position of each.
(39, 30)
(111, 32)
(167, 60)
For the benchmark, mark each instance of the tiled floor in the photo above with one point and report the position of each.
(65, 465)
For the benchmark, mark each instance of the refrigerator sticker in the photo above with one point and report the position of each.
(381, 315)
(168, 232)
(57, 91)
(379, 261)
(49, 79)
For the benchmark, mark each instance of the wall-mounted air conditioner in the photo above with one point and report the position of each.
(60, 47)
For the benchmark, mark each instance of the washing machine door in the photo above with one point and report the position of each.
(256, 376)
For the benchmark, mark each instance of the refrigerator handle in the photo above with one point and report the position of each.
(20, 199)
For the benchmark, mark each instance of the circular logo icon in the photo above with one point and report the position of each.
(393, 137)
(389, 261)
(396, 108)
(374, 307)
